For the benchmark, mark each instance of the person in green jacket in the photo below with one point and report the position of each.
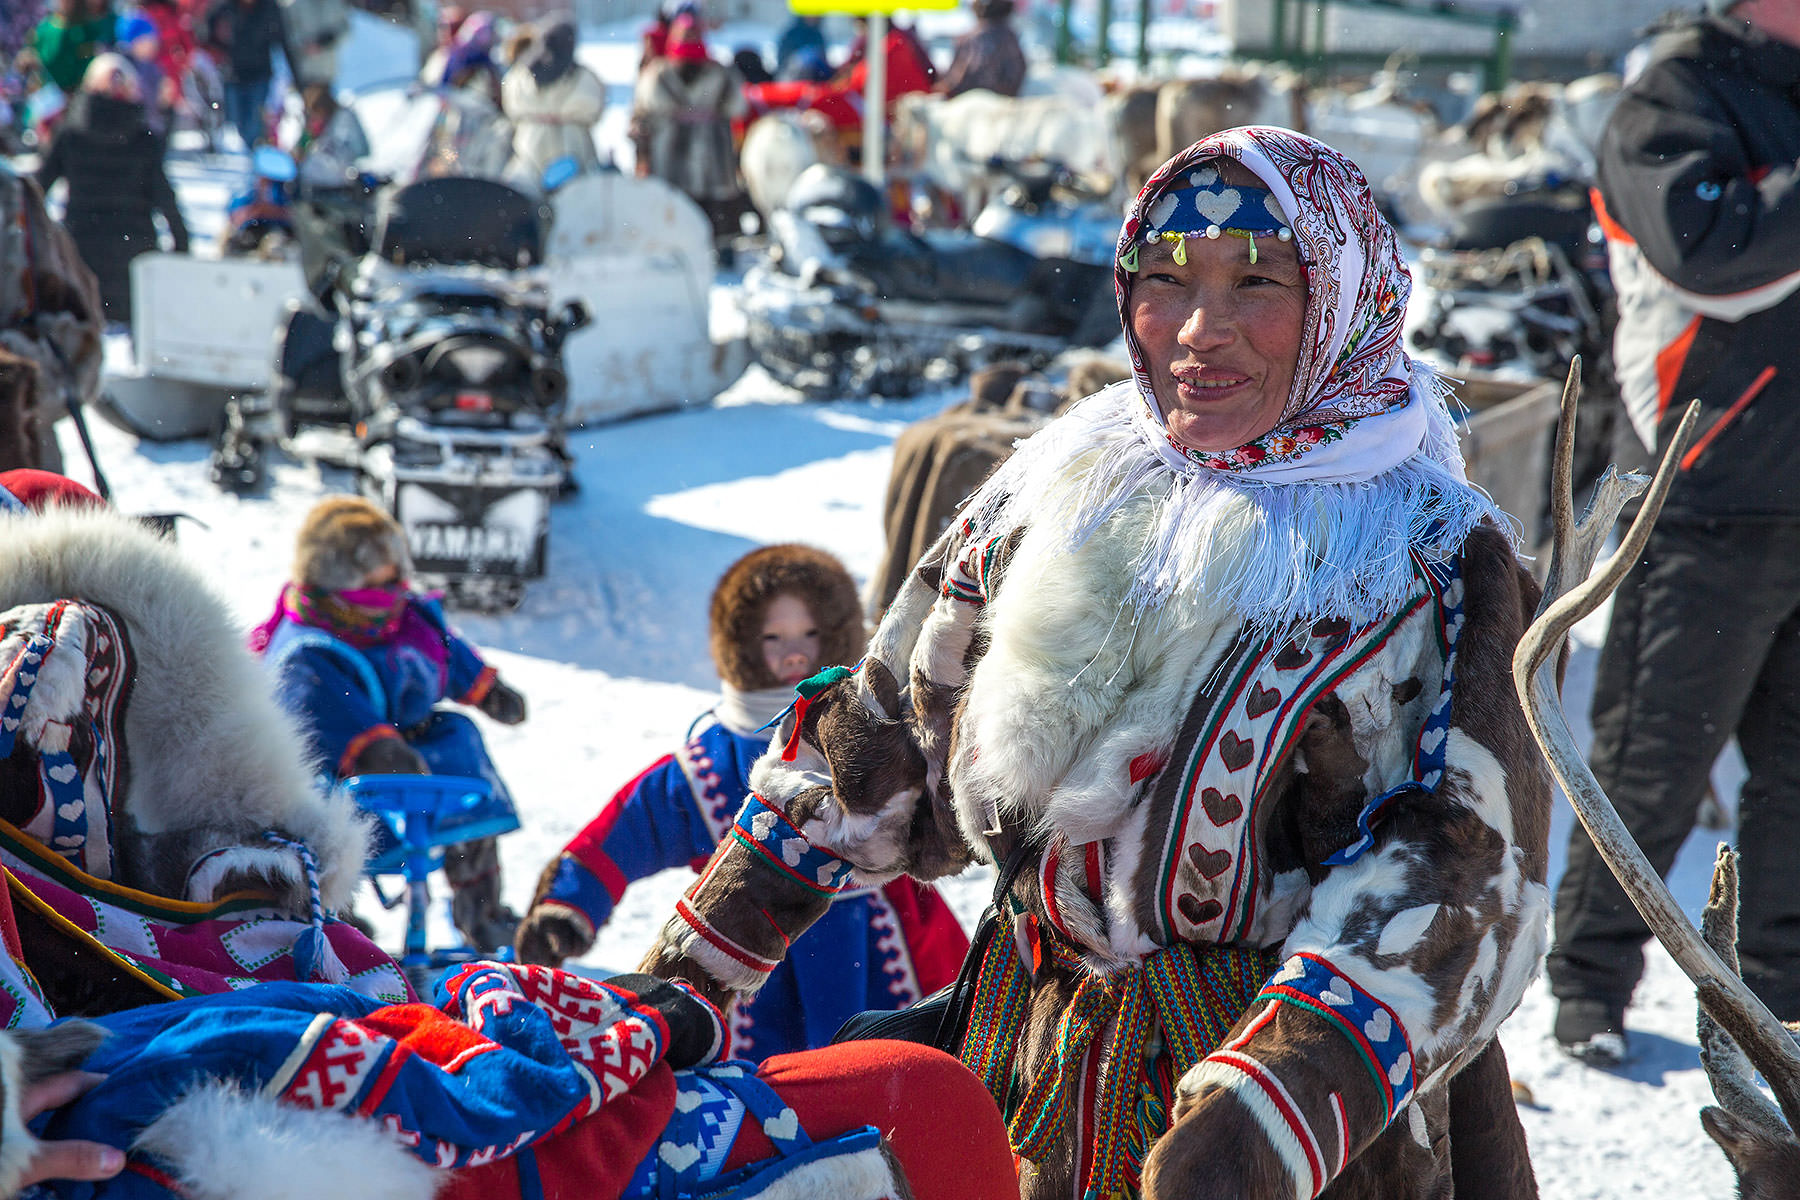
(67, 40)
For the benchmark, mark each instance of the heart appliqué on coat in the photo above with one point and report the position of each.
(1210, 863)
(1261, 700)
(1197, 913)
(783, 1126)
(680, 1158)
(1222, 808)
(1331, 628)
(1235, 752)
(1292, 658)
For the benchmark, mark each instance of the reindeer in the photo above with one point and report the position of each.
(1736, 1030)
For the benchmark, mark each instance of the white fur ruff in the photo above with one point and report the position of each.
(1332, 544)
(17, 1146)
(865, 1175)
(223, 1143)
(208, 745)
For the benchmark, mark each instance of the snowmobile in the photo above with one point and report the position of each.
(428, 360)
(1523, 281)
(848, 305)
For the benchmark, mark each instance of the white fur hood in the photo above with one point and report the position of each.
(212, 760)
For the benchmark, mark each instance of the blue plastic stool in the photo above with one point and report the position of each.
(420, 815)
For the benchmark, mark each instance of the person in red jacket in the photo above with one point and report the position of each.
(840, 100)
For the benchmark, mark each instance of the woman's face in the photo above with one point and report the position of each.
(1219, 335)
(790, 639)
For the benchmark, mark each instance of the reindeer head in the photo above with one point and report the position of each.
(847, 768)
(1734, 1025)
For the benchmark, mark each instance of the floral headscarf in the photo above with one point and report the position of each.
(1323, 515)
(1352, 364)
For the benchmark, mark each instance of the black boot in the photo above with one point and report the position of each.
(473, 871)
(1592, 1031)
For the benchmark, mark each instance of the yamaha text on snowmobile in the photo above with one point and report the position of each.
(433, 367)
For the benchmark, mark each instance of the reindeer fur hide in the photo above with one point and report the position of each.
(213, 761)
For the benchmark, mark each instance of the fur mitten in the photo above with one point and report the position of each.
(388, 756)
(503, 704)
(550, 934)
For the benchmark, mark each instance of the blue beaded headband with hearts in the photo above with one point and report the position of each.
(1209, 207)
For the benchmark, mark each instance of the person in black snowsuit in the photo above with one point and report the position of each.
(114, 166)
(1700, 199)
(246, 34)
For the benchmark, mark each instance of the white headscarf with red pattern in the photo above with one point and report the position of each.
(1319, 516)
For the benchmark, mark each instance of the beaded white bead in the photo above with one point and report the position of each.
(1212, 231)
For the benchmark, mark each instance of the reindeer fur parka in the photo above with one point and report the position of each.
(1227, 826)
(1239, 727)
(205, 761)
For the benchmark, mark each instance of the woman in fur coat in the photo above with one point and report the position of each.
(364, 662)
(1216, 670)
(553, 102)
(778, 615)
(682, 112)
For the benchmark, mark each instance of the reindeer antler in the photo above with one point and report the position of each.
(1570, 595)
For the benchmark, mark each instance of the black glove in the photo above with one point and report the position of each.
(547, 936)
(388, 756)
(503, 704)
(696, 1033)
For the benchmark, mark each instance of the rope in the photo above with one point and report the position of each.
(310, 947)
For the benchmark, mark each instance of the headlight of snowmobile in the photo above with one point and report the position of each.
(477, 364)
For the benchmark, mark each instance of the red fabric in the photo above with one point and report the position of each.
(484, 683)
(39, 489)
(593, 1160)
(685, 43)
(433, 1035)
(939, 1120)
(933, 935)
(841, 103)
(175, 42)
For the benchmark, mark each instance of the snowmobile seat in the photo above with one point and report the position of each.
(461, 221)
(948, 267)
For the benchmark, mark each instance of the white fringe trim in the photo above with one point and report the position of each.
(1274, 552)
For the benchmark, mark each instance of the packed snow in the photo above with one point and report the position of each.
(611, 651)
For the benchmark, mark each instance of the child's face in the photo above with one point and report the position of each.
(790, 639)
(386, 575)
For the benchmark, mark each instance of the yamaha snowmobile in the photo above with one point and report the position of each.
(430, 364)
(848, 305)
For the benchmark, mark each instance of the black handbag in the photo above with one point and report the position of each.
(941, 1020)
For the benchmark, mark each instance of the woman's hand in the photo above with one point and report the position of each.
(85, 1161)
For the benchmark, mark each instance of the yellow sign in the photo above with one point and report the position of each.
(864, 8)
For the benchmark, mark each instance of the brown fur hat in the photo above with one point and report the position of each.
(741, 600)
(344, 538)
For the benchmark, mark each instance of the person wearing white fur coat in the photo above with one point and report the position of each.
(553, 103)
(1217, 670)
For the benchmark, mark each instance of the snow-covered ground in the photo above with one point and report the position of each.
(611, 651)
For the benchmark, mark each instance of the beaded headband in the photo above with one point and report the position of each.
(1209, 207)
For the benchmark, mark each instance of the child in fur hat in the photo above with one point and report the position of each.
(364, 662)
(779, 614)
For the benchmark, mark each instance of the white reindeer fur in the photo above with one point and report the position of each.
(208, 745)
(223, 1143)
(17, 1146)
(1072, 689)
(865, 1175)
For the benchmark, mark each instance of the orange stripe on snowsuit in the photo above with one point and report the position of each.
(1669, 362)
(1731, 414)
